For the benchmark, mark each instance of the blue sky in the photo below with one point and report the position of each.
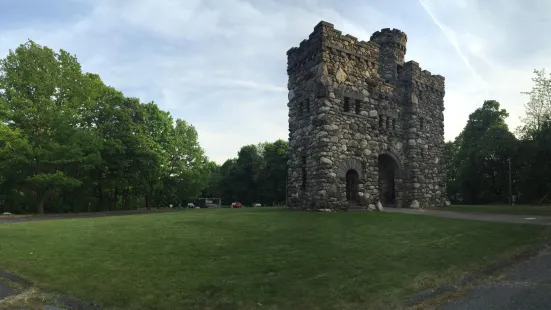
(221, 64)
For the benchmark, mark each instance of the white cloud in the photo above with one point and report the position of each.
(496, 42)
(221, 65)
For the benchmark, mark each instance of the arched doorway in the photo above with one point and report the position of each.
(352, 181)
(389, 177)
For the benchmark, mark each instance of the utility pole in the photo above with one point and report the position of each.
(510, 184)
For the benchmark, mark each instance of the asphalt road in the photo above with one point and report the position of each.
(491, 217)
(527, 286)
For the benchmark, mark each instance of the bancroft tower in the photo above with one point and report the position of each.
(363, 123)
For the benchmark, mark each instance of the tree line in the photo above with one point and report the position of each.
(257, 175)
(70, 143)
(487, 163)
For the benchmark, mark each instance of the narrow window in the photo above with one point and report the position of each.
(387, 122)
(303, 185)
(358, 106)
(393, 124)
(307, 103)
(381, 121)
(300, 109)
(346, 106)
(422, 123)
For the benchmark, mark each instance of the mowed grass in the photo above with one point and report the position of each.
(501, 209)
(254, 258)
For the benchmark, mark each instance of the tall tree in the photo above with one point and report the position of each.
(538, 107)
(44, 92)
(69, 143)
(480, 155)
(188, 169)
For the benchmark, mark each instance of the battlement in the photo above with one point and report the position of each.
(411, 72)
(387, 35)
(319, 30)
(325, 36)
(386, 50)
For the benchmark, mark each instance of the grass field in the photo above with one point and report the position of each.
(503, 209)
(254, 258)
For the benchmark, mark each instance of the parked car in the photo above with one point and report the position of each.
(236, 204)
(257, 205)
(190, 205)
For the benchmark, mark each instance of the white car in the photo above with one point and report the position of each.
(190, 205)
(257, 205)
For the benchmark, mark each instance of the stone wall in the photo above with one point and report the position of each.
(348, 107)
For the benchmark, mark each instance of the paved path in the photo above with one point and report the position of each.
(60, 216)
(527, 286)
(507, 218)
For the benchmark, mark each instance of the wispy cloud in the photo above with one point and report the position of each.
(221, 65)
(452, 39)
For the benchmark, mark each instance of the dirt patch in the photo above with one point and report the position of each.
(18, 293)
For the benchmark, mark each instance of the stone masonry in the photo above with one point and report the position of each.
(365, 127)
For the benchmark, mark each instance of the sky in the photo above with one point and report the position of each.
(221, 64)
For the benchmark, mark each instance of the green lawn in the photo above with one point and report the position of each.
(254, 258)
(503, 209)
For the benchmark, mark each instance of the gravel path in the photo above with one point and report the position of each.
(492, 217)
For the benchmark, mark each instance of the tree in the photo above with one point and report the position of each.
(478, 158)
(258, 174)
(274, 174)
(69, 143)
(188, 167)
(44, 91)
(534, 172)
(538, 107)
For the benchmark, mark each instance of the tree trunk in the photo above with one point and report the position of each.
(40, 209)
(100, 191)
(147, 201)
(126, 198)
(115, 199)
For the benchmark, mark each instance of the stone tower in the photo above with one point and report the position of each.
(362, 122)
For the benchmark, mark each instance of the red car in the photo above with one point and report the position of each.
(236, 205)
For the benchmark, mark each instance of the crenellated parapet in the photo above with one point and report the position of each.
(412, 73)
(326, 38)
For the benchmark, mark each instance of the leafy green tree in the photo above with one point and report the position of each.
(258, 174)
(478, 158)
(44, 91)
(188, 168)
(274, 175)
(214, 188)
(69, 143)
(538, 107)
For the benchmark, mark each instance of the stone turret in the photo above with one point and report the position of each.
(392, 51)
